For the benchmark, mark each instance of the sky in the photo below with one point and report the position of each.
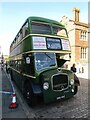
(14, 14)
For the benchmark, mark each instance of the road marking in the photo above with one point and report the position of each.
(8, 76)
(5, 92)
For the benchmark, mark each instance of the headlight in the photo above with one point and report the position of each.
(45, 86)
(71, 81)
(73, 90)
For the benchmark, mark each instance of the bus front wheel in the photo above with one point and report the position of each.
(75, 90)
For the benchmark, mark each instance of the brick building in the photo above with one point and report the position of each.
(78, 36)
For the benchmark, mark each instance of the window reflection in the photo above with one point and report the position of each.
(44, 60)
(59, 31)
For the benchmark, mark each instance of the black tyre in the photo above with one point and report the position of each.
(75, 90)
(29, 95)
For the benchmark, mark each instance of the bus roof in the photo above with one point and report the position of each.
(42, 19)
(34, 18)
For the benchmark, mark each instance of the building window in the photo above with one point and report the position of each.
(83, 53)
(83, 35)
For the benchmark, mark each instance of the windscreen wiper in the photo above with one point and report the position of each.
(48, 56)
(52, 64)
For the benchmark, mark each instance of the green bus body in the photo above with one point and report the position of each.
(37, 56)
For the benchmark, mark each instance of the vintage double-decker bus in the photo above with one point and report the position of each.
(37, 55)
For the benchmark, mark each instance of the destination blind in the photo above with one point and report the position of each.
(50, 43)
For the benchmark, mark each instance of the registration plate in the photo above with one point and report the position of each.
(60, 97)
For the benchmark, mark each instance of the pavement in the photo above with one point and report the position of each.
(6, 99)
(82, 75)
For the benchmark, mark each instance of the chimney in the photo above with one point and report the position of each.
(76, 12)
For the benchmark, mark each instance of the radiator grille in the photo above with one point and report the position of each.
(60, 81)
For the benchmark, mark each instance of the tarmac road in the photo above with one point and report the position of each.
(75, 107)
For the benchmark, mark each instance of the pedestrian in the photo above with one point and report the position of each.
(73, 68)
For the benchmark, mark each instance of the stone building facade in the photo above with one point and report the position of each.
(78, 36)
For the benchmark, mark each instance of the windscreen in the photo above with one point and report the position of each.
(45, 60)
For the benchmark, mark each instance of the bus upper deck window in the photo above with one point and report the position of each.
(60, 31)
(25, 30)
(40, 28)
